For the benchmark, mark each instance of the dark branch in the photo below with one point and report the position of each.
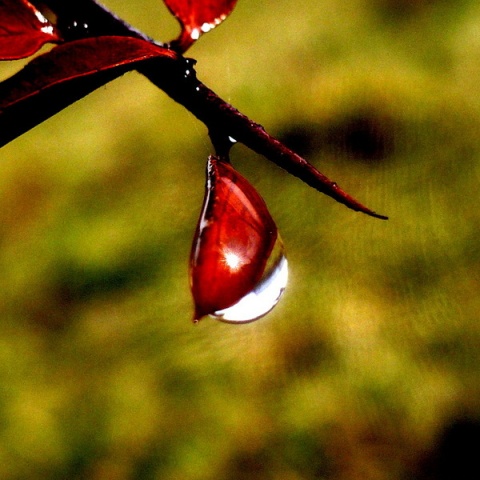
(181, 84)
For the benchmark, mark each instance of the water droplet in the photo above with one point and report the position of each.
(75, 29)
(263, 298)
(206, 27)
(195, 33)
(189, 70)
(47, 26)
(238, 270)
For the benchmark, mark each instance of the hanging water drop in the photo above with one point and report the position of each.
(238, 269)
(262, 298)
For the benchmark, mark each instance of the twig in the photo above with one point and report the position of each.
(181, 84)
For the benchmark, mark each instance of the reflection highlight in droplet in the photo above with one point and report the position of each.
(261, 300)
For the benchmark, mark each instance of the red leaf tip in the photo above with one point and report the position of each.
(197, 17)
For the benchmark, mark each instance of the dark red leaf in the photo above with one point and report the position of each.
(67, 73)
(197, 17)
(23, 30)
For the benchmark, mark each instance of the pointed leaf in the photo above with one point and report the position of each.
(197, 17)
(67, 73)
(23, 29)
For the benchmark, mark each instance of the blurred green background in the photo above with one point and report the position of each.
(369, 366)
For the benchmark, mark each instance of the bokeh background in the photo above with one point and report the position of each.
(369, 366)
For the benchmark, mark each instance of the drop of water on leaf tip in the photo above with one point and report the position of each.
(238, 270)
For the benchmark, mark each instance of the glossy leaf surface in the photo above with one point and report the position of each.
(236, 250)
(68, 72)
(197, 17)
(23, 30)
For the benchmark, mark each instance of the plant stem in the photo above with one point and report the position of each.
(181, 84)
